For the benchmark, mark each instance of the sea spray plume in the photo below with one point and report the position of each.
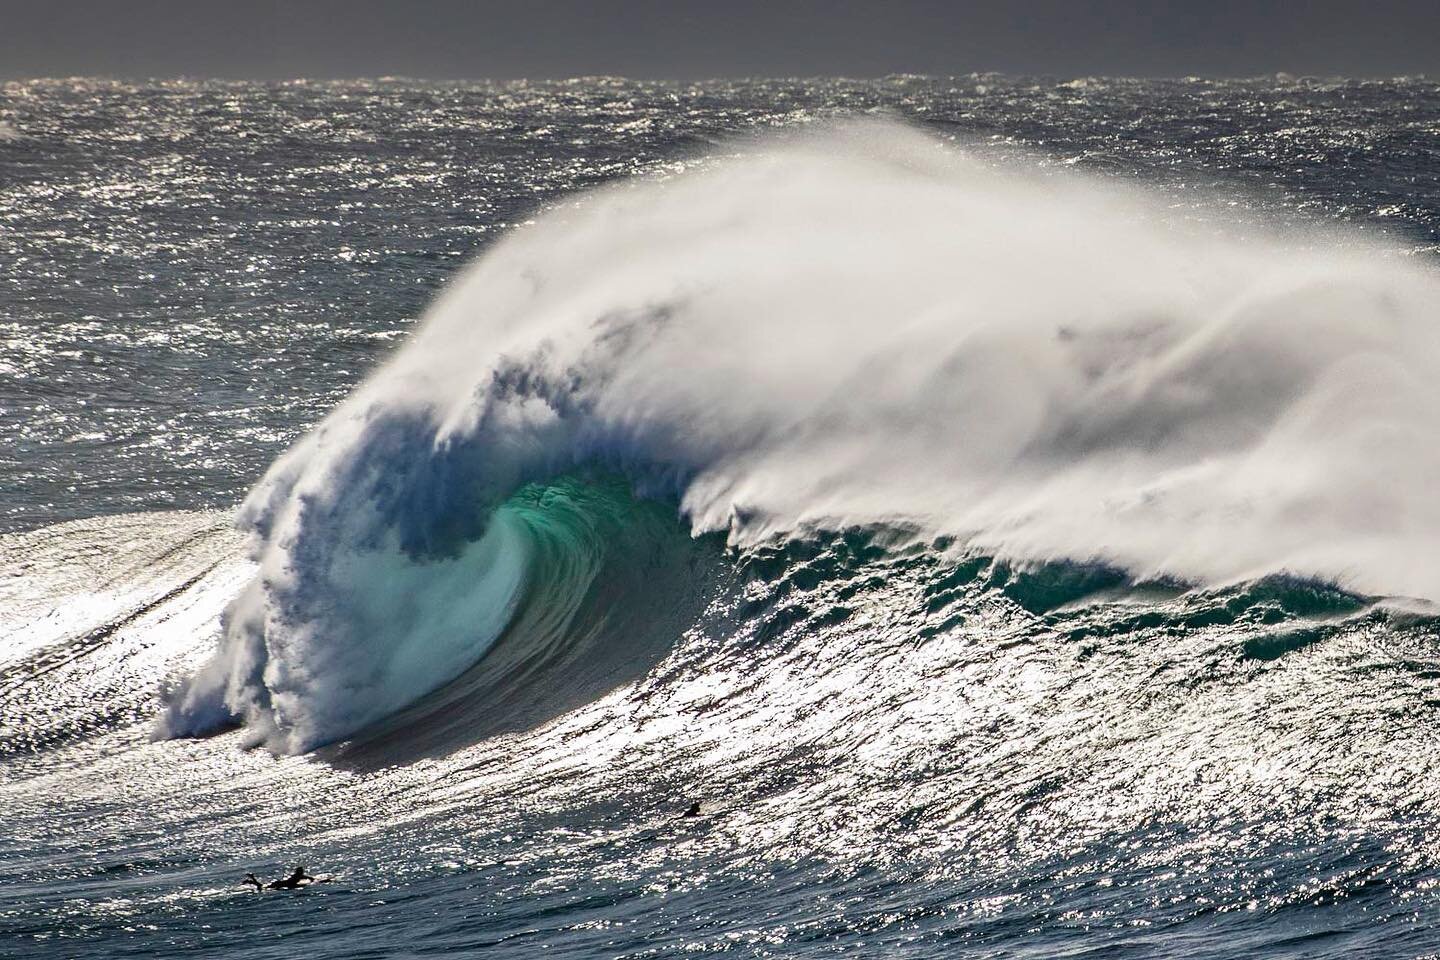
(855, 327)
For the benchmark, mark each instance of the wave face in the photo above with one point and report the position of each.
(859, 328)
(908, 735)
(897, 750)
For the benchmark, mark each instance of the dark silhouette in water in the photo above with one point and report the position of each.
(694, 811)
(296, 879)
(293, 882)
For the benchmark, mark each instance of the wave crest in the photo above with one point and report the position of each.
(853, 328)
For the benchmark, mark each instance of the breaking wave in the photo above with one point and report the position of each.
(858, 328)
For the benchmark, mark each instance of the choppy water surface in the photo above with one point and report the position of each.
(902, 745)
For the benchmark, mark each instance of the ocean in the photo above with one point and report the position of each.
(1005, 505)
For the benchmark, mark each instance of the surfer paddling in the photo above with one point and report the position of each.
(295, 881)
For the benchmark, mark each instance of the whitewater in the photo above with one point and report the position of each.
(1009, 555)
(859, 329)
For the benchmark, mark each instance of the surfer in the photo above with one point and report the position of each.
(293, 882)
(296, 879)
(694, 811)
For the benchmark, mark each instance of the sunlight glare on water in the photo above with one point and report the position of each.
(900, 746)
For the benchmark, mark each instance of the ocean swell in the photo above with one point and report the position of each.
(854, 328)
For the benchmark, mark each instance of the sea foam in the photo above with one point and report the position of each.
(853, 327)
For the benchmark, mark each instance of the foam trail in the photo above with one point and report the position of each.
(855, 327)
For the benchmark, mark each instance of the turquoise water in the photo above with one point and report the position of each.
(902, 745)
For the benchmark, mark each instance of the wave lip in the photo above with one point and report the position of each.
(851, 328)
(435, 619)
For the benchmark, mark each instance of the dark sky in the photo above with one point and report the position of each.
(685, 39)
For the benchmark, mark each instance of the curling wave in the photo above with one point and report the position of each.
(856, 328)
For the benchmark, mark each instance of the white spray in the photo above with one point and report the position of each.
(857, 327)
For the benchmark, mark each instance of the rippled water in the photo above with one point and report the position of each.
(900, 749)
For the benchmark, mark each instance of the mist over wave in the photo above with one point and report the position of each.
(853, 328)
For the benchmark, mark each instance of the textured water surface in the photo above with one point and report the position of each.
(902, 745)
